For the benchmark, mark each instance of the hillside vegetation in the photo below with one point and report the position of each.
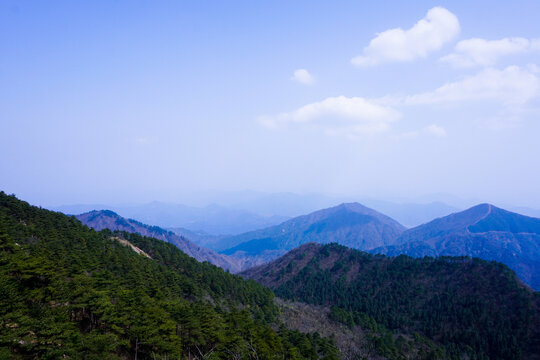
(106, 219)
(470, 307)
(71, 292)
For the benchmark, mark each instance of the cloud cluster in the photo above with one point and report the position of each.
(506, 89)
(481, 52)
(303, 76)
(355, 115)
(438, 27)
(340, 114)
(513, 85)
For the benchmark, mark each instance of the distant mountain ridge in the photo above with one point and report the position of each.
(237, 213)
(199, 237)
(107, 219)
(483, 231)
(211, 219)
(349, 224)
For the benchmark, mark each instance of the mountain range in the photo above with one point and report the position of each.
(349, 224)
(211, 219)
(483, 231)
(240, 212)
(107, 219)
(69, 291)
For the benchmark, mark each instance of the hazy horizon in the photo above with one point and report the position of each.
(290, 204)
(237, 198)
(132, 102)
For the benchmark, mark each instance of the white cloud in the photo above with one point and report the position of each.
(508, 89)
(473, 52)
(438, 27)
(338, 115)
(513, 85)
(303, 76)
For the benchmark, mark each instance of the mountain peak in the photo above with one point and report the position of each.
(483, 206)
(349, 224)
(108, 213)
(356, 207)
(483, 231)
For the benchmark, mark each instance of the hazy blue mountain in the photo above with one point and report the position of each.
(199, 237)
(239, 212)
(408, 213)
(211, 219)
(350, 224)
(106, 219)
(286, 203)
(411, 212)
(483, 231)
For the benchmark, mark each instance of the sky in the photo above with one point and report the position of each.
(134, 101)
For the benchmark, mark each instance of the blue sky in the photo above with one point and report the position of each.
(126, 101)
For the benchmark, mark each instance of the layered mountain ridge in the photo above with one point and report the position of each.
(349, 224)
(211, 219)
(107, 219)
(69, 292)
(483, 231)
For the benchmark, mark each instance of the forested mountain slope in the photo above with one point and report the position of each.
(471, 307)
(483, 231)
(73, 293)
(106, 219)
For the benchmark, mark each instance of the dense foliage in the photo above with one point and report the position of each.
(470, 306)
(71, 292)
